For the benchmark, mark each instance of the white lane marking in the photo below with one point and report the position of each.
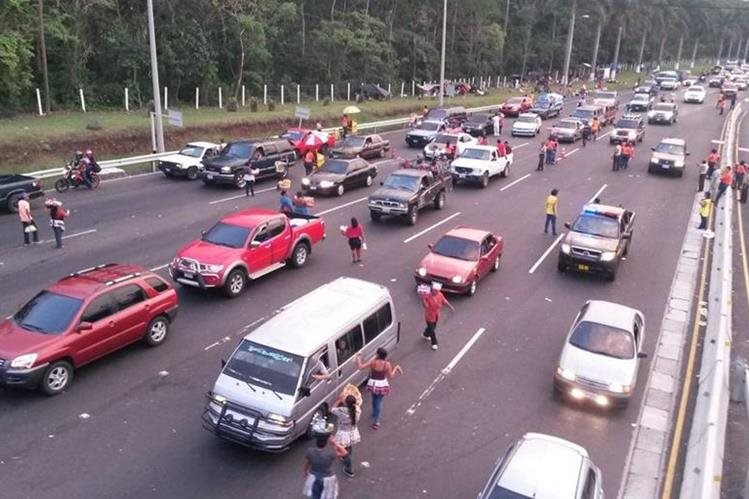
(443, 374)
(241, 332)
(520, 145)
(216, 201)
(744, 149)
(546, 253)
(572, 152)
(75, 234)
(715, 141)
(406, 241)
(604, 135)
(335, 208)
(515, 182)
(598, 193)
(156, 269)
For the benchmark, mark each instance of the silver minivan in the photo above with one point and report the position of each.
(266, 395)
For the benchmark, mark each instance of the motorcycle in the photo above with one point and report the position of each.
(74, 178)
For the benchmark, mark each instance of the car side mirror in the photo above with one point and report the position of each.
(223, 363)
(304, 391)
(255, 243)
(85, 326)
(642, 355)
(567, 225)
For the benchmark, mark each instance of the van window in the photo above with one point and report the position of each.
(100, 308)
(348, 344)
(377, 322)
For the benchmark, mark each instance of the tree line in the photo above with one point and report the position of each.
(102, 45)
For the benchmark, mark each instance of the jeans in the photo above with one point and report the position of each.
(617, 163)
(26, 238)
(553, 157)
(377, 407)
(738, 180)
(701, 182)
(541, 159)
(721, 190)
(549, 156)
(249, 188)
(87, 180)
(308, 168)
(348, 464)
(703, 222)
(550, 219)
(431, 332)
(58, 236)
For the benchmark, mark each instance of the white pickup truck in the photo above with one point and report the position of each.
(479, 163)
(188, 162)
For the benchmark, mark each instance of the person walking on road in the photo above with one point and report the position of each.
(617, 158)
(541, 157)
(347, 413)
(497, 125)
(726, 179)
(705, 207)
(380, 373)
(355, 235)
(595, 126)
(704, 168)
(585, 133)
(721, 104)
(27, 220)
(552, 202)
(739, 174)
(309, 162)
(628, 152)
(57, 216)
(433, 303)
(249, 180)
(713, 160)
(320, 479)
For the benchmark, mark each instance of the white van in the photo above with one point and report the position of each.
(266, 396)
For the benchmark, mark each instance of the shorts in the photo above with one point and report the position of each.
(354, 243)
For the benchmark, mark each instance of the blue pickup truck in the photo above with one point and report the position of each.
(12, 186)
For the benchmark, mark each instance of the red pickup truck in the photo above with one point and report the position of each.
(246, 245)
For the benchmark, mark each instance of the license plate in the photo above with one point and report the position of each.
(461, 175)
(209, 176)
(582, 267)
(189, 275)
(313, 187)
(386, 210)
(665, 165)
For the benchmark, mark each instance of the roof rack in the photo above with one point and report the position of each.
(103, 266)
(122, 278)
(89, 269)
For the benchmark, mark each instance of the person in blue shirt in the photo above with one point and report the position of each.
(300, 204)
(286, 204)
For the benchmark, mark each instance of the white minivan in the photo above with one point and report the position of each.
(266, 396)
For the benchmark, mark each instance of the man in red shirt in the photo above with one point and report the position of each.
(501, 148)
(726, 179)
(432, 305)
(713, 159)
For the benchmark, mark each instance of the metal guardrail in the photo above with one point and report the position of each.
(706, 444)
(146, 158)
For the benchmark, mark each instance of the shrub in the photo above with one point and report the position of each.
(232, 106)
(253, 104)
(326, 101)
(271, 105)
(94, 124)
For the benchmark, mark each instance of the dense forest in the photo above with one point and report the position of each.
(102, 45)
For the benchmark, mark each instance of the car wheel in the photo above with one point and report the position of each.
(439, 201)
(235, 283)
(611, 275)
(157, 331)
(561, 266)
(62, 185)
(340, 190)
(413, 216)
(299, 256)
(57, 378)
(13, 200)
(192, 173)
(495, 266)
(239, 181)
(167, 174)
(485, 180)
(506, 171)
(319, 413)
(375, 216)
(472, 288)
(368, 181)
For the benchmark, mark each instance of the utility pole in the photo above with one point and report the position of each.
(595, 50)
(504, 30)
(568, 51)
(720, 51)
(730, 49)
(642, 50)
(678, 53)
(155, 78)
(738, 49)
(694, 52)
(442, 57)
(616, 52)
(746, 49)
(43, 50)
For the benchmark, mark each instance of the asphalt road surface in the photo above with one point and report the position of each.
(143, 436)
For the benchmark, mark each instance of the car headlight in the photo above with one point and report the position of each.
(607, 256)
(212, 268)
(178, 165)
(219, 399)
(401, 205)
(566, 248)
(225, 169)
(326, 184)
(280, 420)
(24, 361)
(422, 271)
(566, 373)
(618, 388)
(305, 181)
(457, 279)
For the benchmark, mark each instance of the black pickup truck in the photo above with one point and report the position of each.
(408, 190)
(271, 157)
(13, 186)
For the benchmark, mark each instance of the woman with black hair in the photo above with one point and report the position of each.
(347, 413)
(380, 373)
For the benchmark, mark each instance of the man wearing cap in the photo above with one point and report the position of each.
(27, 221)
(432, 305)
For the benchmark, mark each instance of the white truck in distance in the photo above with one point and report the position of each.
(188, 162)
(478, 164)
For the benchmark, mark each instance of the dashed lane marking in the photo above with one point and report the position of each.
(545, 254)
(515, 182)
(406, 241)
(230, 198)
(335, 208)
(69, 236)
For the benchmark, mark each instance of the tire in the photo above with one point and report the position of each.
(505, 172)
(485, 180)
(157, 331)
(239, 181)
(439, 201)
(497, 261)
(57, 378)
(95, 180)
(473, 287)
(235, 283)
(561, 266)
(299, 255)
(340, 190)
(192, 173)
(167, 174)
(322, 411)
(368, 181)
(650, 168)
(611, 275)
(375, 216)
(62, 185)
(12, 204)
(413, 216)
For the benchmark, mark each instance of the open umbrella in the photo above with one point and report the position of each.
(351, 110)
(313, 141)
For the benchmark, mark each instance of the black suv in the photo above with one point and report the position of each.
(272, 157)
(12, 188)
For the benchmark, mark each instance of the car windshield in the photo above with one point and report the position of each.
(569, 125)
(192, 151)
(293, 135)
(627, 123)
(430, 126)
(642, 90)
(583, 113)
(476, 154)
(602, 339)
(668, 80)
(663, 107)
(457, 247)
(666, 148)
(402, 182)
(526, 119)
(499, 492)
(335, 166)
(696, 88)
(515, 100)
(48, 313)
(606, 95)
(597, 225)
(437, 114)
(641, 98)
(265, 367)
(446, 139)
(231, 236)
(238, 150)
(353, 142)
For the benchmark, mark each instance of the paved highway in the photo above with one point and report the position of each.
(142, 436)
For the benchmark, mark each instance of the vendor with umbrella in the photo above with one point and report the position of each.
(347, 123)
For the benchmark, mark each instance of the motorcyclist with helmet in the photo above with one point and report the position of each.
(86, 164)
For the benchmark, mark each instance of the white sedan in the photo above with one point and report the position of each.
(438, 145)
(528, 124)
(601, 355)
(695, 94)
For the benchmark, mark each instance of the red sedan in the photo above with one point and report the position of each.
(460, 259)
(304, 139)
(514, 106)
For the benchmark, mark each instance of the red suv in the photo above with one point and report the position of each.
(81, 318)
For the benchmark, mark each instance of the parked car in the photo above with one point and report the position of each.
(548, 105)
(630, 127)
(597, 240)
(337, 175)
(364, 146)
(438, 145)
(12, 186)
(478, 164)
(81, 318)
(601, 354)
(527, 124)
(567, 130)
(244, 246)
(408, 190)
(664, 112)
(479, 124)
(669, 156)
(460, 259)
(266, 395)
(271, 157)
(424, 133)
(514, 106)
(640, 102)
(544, 467)
(695, 94)
(188, 162)
(305, 139)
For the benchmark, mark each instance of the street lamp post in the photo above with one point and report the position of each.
(595, 50)
(678, 53)
(155, 78)
(694, 52)
(616, 52)
(442, 56)
(568, 52)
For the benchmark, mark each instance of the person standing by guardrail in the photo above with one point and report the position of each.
(27, 220)
(713, 160)
(726, 179)
(740, 173)
(705, 208)
(704, 168)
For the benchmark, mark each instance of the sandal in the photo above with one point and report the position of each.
(375, 426)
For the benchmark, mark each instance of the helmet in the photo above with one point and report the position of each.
(78, 155)
(89, 152)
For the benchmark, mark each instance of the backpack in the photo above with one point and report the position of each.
(95, 167)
